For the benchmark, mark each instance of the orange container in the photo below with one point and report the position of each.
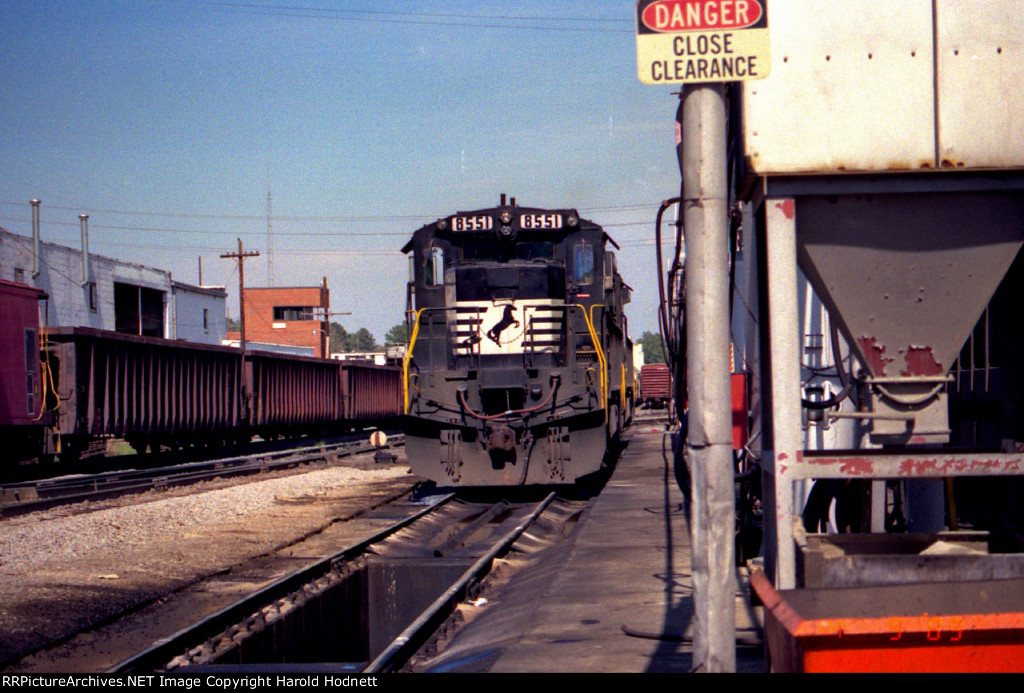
(975, 626)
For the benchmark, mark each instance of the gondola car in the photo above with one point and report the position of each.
(91, 385)
(517, 370)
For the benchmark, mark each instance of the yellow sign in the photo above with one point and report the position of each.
(693, 41)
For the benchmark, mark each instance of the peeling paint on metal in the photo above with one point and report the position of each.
(787, 207)
(874, 354)
(956, 465)
(931, 466)
(921, 361)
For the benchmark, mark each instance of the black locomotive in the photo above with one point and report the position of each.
(519, 368)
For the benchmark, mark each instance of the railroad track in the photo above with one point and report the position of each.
(25, 497)
(369, 607)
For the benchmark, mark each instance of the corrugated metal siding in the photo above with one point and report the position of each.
(375, 392)
(288, 391)
(122, 385)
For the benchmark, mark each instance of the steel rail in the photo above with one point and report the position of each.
(413, 637)
(161, 652)
(50, 493)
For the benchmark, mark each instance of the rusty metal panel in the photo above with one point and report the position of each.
(980, 53)
(851, 89)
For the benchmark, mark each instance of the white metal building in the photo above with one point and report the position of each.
(89, 290)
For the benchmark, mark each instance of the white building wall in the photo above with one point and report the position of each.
(199, 314)
(79, 300)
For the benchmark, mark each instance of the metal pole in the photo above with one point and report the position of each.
(778, 462)
(709, 440)
(84, 221)
(35, 237)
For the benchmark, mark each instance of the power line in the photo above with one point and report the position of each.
(309, 219)
(422, 18)
(233, 217)
(111, 227)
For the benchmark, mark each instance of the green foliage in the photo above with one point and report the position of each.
(359, 341)
(364, 341)
(653, 351)
(399, 334)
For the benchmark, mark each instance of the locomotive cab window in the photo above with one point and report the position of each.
(583, 263)
(610, 270)
(434, 268)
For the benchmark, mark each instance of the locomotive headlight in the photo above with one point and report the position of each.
(442, 225)
(506, 231)
(572, 220)
(506, 217)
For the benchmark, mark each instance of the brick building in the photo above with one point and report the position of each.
(292, 316)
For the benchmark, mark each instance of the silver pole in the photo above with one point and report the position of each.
(709, 440)
(35, 237)
(84, 220)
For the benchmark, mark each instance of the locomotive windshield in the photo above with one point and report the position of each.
(524, 250)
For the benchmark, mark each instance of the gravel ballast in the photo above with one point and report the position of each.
(67, 570)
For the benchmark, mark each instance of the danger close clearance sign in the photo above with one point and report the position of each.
(694, 41)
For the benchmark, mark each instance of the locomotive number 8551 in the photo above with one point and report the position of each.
(519, 367)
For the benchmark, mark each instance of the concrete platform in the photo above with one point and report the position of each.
(615, 597)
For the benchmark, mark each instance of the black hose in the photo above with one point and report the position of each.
(663, 319)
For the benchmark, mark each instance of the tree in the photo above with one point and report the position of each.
(339, 339)
(399, 334)
(363, 340)
(653, 351)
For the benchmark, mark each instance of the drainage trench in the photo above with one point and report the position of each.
(346, 618)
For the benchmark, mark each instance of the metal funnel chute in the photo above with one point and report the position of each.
(907, 277)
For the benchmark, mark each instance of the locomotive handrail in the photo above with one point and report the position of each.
(408, 352)
(408, 357)
(600, 353)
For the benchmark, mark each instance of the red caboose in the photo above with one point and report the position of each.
(21, 378)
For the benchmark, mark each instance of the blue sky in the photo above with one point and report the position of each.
(168, 121)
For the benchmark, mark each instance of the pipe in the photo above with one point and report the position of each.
(35, 237)
(85, 248)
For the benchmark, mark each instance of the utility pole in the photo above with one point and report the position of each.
(709, 439)
(240, 256)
